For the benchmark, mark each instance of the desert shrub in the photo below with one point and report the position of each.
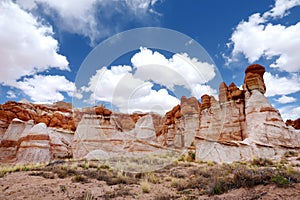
(118, 191)
(62, 188)
(47, 175)
(291, 154)
(79, 178)
(262, 162)
(152, 178)
(145, 187)
(163, 196)
(280, 181)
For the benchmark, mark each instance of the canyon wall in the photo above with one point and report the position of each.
(240, 125)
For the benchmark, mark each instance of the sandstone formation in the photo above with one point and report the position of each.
(24, 142)
(247, 126)
(293, 123)
(58, 115)
(98, 132)
(240, 125)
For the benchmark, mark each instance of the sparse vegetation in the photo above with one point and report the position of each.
(185, 178)
(262, 162)
(290, 154)
(145, 187)
(280, 181)
(79, 178)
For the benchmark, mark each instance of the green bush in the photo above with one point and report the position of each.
(280, 181)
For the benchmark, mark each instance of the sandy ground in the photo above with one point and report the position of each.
(22, 185)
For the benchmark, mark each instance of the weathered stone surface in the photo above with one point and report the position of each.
(205, 101)
(254, 78)
(244, 127)
(34, 145)
(293, 123)
(96, 132)
(223, 92)
(52, 115)
(241, 125)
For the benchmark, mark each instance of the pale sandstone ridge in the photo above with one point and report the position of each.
(240, 125)
(24, 142)
(245, 127)
(101, 137)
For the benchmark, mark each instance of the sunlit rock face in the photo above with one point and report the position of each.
(237, 125)
(244, 125)
(99, 133)
(24, 142)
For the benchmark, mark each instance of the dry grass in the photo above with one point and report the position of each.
(185, 178)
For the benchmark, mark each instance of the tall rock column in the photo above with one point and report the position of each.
(264, 125)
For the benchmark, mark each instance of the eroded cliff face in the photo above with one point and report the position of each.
(25, 142)
(252, 127)
(240, 125)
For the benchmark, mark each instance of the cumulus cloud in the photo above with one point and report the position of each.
(289, 112)
(281, 8)
(285, 99)
(46, 88)
(131, 88)
(27, 46)
(179, 70)
(277, 85)
(118, 86)
(259, 38)
(89, 17)
(11, 94)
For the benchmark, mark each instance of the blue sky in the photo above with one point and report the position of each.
(43, 45)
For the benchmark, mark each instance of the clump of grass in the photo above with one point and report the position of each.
(47, 175)
(103, 167)
(19, 168)
(163, 196)
(290, 154)
(152, 178)
(263, 162)
(145, 187)
(118, 191)
(79, 178)
(84, 165)
(210, 163)
(174, 182)
(62, 188)
(280, 181)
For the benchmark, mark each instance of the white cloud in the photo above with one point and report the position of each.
(156, 101)
(27, 46)
(90, 17)
(118, 86)
(281, 8)
(285, 99)
(11, 94)
(259, 38)
(289, 112)
(46, 88)
(281, 85)
(179, 70)
(131, 88)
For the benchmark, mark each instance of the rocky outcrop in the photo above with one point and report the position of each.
(254, 79)
(98, 132)
(58, 115)
(181, 124)
(240, 125)
(245, 126)
(293, 123)
(24, 142)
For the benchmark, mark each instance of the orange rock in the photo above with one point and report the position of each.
(254, 79)
(205, 102)
(223, 93)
